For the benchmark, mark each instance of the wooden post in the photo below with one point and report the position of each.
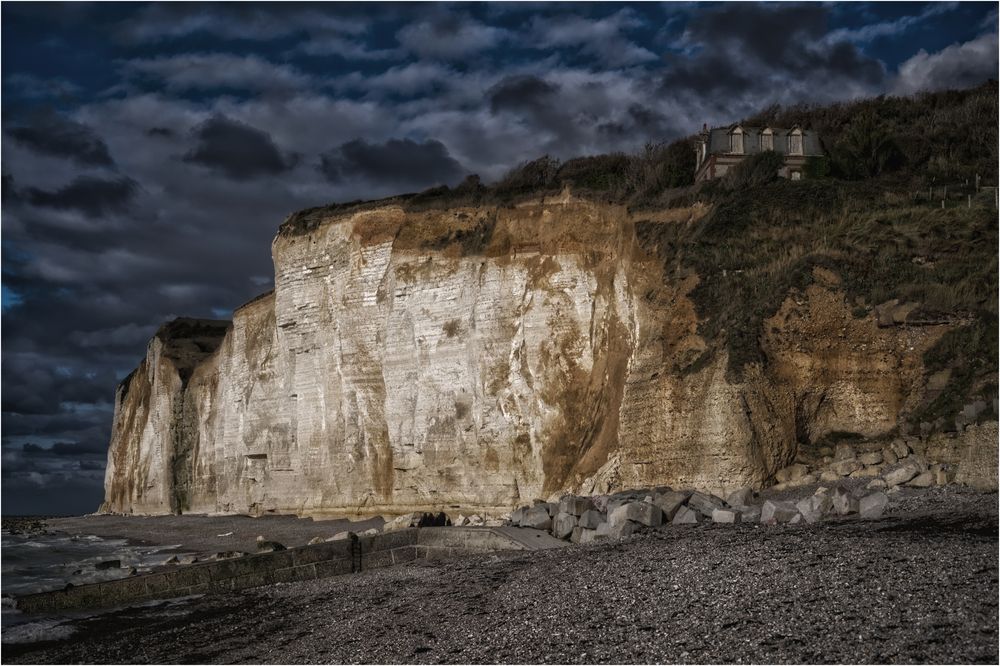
(970, 202)
(942, 204)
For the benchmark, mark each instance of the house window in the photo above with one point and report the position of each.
(736, 144)
(795, 143)
(766, 140)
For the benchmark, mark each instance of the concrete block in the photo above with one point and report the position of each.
(775, 511)
(726, 516)
(574, 505)
(517, 516)
(404, 554)
(686, 516)
(562, 526)
(749, 514)
(643, 513)
(670, 502)
(590, 519)
(589, 536)
(623, 529)
(537, 517)
(376, 560)
(705, 503)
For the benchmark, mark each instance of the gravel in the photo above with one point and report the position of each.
(916, 586)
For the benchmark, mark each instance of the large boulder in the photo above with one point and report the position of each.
(814, 508)
(591, 519)
(901, 474)
(418, 519)
(900, 448)
(517, 516)
(623, 529)
(775, 511)
(844, 503)
(643, 513)
(923, 480)
(846, 466)
(575, 506)
(741, 497)
(537, 517)
(726, 516)
(705, 504)
(562, 525)
(750, 514)
(873, 505)
(791, 473)
(686, 516)
(670, 502)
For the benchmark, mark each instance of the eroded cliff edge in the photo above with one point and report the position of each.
(482, 356)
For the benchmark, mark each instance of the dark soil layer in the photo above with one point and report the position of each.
(917, 586)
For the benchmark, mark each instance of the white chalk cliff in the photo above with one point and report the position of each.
(482, 357)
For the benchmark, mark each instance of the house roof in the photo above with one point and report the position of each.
(718, 140)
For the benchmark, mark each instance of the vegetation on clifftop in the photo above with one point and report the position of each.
(895, 208)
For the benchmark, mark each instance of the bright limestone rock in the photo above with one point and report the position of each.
(481, 357)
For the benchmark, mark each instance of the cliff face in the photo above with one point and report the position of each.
(483, 357)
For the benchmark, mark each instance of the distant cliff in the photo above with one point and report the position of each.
(484, 354)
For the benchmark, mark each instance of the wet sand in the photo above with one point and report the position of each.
(916, 586)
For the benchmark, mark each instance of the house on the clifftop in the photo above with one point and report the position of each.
(722, 148)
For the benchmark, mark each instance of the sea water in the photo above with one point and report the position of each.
(49, 561)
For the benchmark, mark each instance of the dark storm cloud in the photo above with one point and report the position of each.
(164, 132)
(449, 36)
(400, 161)
(748, 47)
(91, 196)
(70, 449)
(47, 388)
(54, 135)
(521, 92)
(237, 150)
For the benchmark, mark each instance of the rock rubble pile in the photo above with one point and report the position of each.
(585, 519)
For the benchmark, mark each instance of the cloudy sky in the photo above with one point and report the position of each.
(151, 150)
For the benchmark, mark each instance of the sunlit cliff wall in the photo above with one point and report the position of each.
(483, 357)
